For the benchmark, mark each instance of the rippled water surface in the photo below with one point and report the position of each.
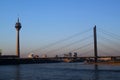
(60, 71)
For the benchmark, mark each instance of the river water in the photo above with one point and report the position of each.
(60, 71)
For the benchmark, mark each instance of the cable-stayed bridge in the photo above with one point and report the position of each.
(92, 43)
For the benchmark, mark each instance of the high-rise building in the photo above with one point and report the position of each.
(0, 52)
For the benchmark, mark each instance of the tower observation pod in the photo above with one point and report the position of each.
(18, 27)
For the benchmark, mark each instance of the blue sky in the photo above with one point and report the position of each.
(46, 21)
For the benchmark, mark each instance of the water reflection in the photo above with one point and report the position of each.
(10, 72)
(17, 77)
(96, 72)
(65, 71)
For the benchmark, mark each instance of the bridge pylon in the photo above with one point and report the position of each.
(95, 44)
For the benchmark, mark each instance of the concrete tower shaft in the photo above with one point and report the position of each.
(18, 27)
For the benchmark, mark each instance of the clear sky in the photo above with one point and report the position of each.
(46, 21)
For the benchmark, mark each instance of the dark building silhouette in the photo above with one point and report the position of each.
(0, 52)
(8, 56)
(75, 55)
(70, 54)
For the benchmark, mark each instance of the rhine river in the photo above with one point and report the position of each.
(60, 71)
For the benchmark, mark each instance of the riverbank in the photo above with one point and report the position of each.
(17, 61)
(105, 63)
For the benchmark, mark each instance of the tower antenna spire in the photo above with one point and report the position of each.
(18, 19)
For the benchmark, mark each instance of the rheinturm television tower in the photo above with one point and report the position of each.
(18, 27)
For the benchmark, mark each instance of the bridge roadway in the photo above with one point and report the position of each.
(90, 57)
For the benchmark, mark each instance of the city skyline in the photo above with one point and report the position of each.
(45, 22)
